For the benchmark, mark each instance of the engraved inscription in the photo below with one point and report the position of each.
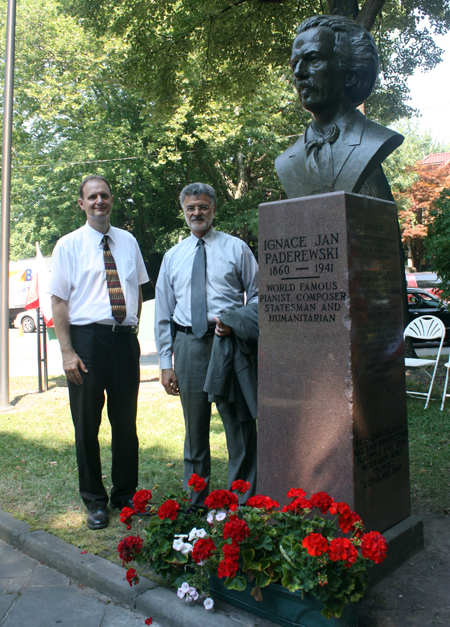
(380, 455)
(302, 270)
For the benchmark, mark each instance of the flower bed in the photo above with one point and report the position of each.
(254, 545)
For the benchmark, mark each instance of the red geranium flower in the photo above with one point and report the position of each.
(168, 509)
(125, 516)
(148, 621)
(374, 546)
(296, 493)
(315, 544)
(240, 486)
(262, 502)
(347, 518)
(236, 529)
(297, 506)
(198, 483)
(131, 576)
(343, 550)
(322, 501)
(140, 500)
(129, 548)
(228, 567)
(222, 499)
(203, 549)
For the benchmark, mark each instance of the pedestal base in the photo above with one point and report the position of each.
(404, 539)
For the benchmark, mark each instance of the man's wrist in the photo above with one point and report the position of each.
(165, 363)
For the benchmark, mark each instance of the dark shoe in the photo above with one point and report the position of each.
(128, 503)
(97, 519)
(121, 504)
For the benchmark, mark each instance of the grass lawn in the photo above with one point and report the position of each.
(38, 471)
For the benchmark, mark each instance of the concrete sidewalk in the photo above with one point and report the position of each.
(23, 355)
(45, 581)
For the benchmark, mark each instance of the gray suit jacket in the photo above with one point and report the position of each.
(360, 148)
(232, 370)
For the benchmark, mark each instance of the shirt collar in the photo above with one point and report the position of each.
(208, 238)
(96, 236)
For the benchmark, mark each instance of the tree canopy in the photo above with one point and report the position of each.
(155, 95)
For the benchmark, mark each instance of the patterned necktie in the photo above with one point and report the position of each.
(198, 292)
(116, 297)
(319, 160)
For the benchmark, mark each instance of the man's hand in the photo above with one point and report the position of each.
(169, 381)
(72, 365)
(221, 329)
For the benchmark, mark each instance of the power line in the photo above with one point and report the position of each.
(70, 163)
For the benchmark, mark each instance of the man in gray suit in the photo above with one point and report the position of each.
(207, 283)
(335, 65)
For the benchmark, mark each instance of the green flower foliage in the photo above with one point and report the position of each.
(256, 545)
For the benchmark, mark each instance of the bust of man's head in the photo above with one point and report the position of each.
(334, 62)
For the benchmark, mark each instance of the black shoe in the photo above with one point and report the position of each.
(128, 503)
(121, 504)
(97, 519)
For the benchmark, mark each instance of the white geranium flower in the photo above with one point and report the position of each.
(196, 533)
(186, 548)
(193, 593)
(178, 544)
(193, 534)
(181, 535)
(210, 517)
(221, 515)
(208, 604)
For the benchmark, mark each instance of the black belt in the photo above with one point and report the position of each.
(178, 327)
(115, 328)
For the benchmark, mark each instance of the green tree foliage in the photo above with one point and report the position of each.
(438, 240)
(158, 94)
(203, 49)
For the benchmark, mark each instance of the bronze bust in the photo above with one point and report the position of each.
(335, 65)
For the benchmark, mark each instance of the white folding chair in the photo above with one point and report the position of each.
(445, 395)
(431, 329)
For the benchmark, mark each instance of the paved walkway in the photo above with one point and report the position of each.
(33, 595)
(23, 355)
(45, 582)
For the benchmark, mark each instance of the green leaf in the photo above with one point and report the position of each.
(235, 583)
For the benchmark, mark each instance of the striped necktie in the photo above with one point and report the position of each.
(116, 297)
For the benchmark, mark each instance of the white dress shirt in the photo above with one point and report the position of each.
(78, 274)
(231, 273)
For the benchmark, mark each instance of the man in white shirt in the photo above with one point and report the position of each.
(230, 280)
(95, 282)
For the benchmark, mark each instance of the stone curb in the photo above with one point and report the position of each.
(108, 579)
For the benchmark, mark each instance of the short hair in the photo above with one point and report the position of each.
(356, 50)
(198, 189)
(92, 177)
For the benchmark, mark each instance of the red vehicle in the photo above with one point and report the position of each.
(428, 281)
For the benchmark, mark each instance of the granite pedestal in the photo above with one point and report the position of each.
(332, 403)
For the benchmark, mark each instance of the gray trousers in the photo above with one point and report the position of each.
(191, 363)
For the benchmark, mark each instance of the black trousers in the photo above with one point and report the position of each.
(112, 360)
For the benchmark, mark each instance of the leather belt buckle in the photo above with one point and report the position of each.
(116, 328)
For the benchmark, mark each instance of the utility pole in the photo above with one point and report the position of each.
(5, 205)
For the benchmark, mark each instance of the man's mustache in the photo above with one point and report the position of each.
(306, 84)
